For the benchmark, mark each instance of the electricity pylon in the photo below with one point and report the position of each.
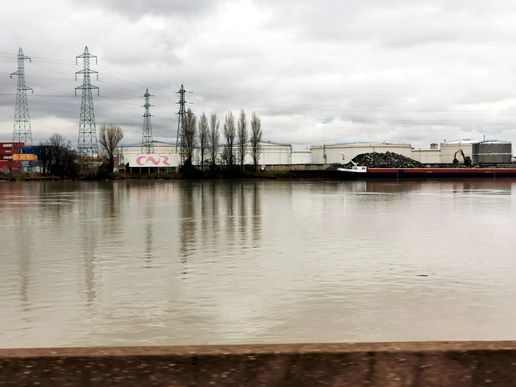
(22, 131)
(87, 142)
(147, 146)
(180, 115)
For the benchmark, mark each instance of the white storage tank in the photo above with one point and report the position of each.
(301, 156)
(427, 156)
(451, 149)
(271, 153)
(345, 152)
(163, 155)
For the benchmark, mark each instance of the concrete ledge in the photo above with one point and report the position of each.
(422, 364)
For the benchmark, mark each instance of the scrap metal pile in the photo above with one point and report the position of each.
(384, 160)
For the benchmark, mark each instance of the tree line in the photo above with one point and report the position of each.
(204, 135)
(58, 158)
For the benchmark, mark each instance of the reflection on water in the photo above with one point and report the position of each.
(191, 262)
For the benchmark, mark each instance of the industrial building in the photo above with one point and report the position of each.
(345, 152)
(165, 155)
(480, 152)
(492, 152)
(277, 154)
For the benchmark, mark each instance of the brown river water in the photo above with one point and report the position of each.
(179, 262)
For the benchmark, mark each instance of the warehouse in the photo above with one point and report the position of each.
(345, 152)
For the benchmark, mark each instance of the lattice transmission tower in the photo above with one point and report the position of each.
(87, 142)
(22, 131)
(180, 116)
(147, 146)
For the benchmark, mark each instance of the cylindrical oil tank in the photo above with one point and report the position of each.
(492, 152)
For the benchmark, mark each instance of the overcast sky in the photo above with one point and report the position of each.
(315, 71)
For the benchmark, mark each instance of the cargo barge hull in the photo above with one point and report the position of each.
(410, 173)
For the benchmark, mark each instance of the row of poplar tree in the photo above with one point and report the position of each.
(205, 136)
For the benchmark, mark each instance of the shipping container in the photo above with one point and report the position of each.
(7, 165)
(35, 150)
(17, 145)
(24, 157)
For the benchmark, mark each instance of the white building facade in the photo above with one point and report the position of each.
(165, 155)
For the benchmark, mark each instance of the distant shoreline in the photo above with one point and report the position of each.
(390, 174)
(152, 176)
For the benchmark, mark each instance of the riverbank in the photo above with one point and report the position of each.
(151, 176)
(429, 364)
(326, 174)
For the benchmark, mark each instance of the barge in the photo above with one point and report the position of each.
(439, 172)
(408, 173)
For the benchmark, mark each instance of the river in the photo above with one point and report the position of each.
(256, 261)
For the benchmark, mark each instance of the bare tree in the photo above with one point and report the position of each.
(57, 157)
(229, 135)
(242, 137)
(188, 141)
(256, 138)
(57, 144)
(203, 137)
(214, 138)
(45, 157)
(109, 138)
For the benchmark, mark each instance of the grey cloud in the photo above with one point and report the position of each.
(139, 8)
(385, 70)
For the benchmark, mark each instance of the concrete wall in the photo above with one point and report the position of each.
(345, 153)
(425, 364)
